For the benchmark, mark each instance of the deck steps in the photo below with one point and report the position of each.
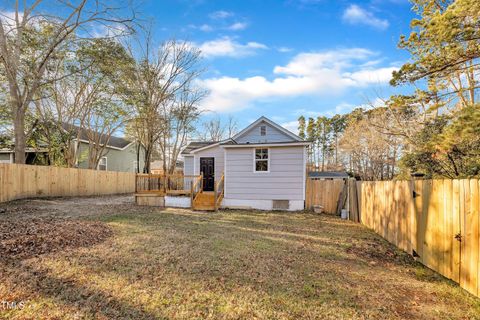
(204, 201)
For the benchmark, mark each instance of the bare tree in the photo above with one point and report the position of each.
(27, 70)
(162, 77)
(213, 130)
(232, 127)
(84, 101)
(103, 119)
(371, 155)
(179, 124)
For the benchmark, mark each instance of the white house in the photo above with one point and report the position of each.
(263, 166)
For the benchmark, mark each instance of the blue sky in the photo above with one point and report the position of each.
(285, 58)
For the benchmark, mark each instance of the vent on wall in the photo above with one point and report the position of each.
(263, 130)
(281, 204)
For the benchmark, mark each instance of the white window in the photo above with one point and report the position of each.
(10, 159)
(102, 164)
(263, 130)
(261, 162)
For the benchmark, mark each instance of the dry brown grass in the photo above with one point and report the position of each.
(179, 264)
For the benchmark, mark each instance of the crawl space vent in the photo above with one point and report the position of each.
(281, 204)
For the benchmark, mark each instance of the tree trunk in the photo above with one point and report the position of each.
(20, 138)
(148, 156)
(137, 169)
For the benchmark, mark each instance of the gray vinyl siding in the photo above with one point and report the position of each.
(272, 135)
(216, 152)
(188, 166)
(284, 181)
(117, 160)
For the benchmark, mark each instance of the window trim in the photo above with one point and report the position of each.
(254, 160)
(106, 164)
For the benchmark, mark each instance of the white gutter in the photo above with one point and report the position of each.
(259, 145)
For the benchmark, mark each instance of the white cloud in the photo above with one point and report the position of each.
(220, 14)
(322, 73)
(284, 49)
(342, 108)
(238, 26)
(227, 47)
(355, 14)
(291, 126)
(205, 28)
(371, 76)
(103, 31)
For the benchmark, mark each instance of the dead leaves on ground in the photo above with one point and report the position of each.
(24, 238)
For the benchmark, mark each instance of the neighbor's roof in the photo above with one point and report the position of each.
(328, 174)
(158, 164)
(194, 145)
(115, 142)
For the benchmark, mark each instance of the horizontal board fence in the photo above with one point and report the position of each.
(325, 193)
(435, 220)
(19, 181)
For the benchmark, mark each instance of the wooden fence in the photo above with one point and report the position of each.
(435, 220)
(325, 193)
(24, 181)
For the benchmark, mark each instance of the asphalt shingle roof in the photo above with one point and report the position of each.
(328, 174)
(194, 145)
(116, 142)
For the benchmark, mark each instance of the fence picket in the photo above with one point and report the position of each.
(24, 181)
(429, 217)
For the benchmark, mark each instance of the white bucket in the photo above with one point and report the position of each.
(344, 214)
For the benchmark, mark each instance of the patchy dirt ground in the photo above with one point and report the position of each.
(105, 258)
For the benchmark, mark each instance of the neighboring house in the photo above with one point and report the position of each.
(119, 154)
(328, 175)
(156, 167)
(7, 155)
(264, 167)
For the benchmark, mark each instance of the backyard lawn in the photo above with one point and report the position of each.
(105, 258)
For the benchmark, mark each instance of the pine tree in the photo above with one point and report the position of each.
(301, 127)
(311, 136)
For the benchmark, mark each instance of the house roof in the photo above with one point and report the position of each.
(115, 142)
(328, 174)
(194, 145)
(270, 122)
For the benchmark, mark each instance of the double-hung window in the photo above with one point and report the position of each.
(261, 160)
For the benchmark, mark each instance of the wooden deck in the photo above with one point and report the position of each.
(157, 185)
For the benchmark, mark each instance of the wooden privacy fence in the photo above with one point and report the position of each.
(435, 220)
(325, 193)
(19, 181)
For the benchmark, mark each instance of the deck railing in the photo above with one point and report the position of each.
(196, 187)
(178, 184)
(219, 190)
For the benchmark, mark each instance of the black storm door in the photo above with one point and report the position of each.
(207, 167)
